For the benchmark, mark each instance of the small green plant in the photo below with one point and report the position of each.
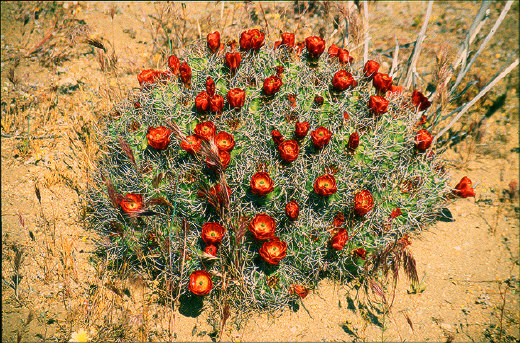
(245, 176)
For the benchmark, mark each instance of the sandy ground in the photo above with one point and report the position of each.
(56, 90)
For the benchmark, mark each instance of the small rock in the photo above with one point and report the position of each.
(483, 300)
(446, 326)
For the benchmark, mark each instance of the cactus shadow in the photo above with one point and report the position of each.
(190, 305)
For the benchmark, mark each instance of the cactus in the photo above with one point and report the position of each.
(315, 172)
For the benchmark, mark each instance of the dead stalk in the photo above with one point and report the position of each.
(394, 61)
(490, 85)
(414, 57)
(367, 35)
(464, 71)
(480, 19)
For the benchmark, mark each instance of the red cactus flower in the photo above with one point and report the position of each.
(362, 253)
(343, 80)
(272, 85)
(363, 202)
(236, 98)
(464, 188)
(212, 233)
(342, 54)
(216, 103)
(131, 203)
(292, 210)
(273, 251)
(214, 41)
(210, 86)
(191, 144)
(137, 104)
(371, 67)
(420, 101)
(344, 57)
(261, 183)
(394, 91)
(353, 141)
(232, 60)
(148, 77)
(300, 290)
(315, 46)
(200, 282)
(321, 137)
(339, 240)
(423, 140)
(378, 105)
(396, 212)
(158, 137)
(205, 130)
(277, 137)
(346, 116)
(288, 39)
(174, 64)
(257, 39)
(202, 101)
(224, 141)
(318, 100)
(262, 226)
(251, 40)
(289, 150)
(333, 50)
(301, 129)
(382, 82)
(339, 219)
(211, 250)
(185, 72)
(325, 185)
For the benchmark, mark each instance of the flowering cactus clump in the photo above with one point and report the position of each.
(245, 173)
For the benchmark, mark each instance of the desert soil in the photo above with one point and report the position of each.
(56, 88)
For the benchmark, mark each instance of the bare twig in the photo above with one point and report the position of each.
(265, 19)
(464, 71)
(367, 36)
(480, 19)
(345, 33)
(414, 57)
(46, 38)
(394, 62)
(490, 85)
(34, 137)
